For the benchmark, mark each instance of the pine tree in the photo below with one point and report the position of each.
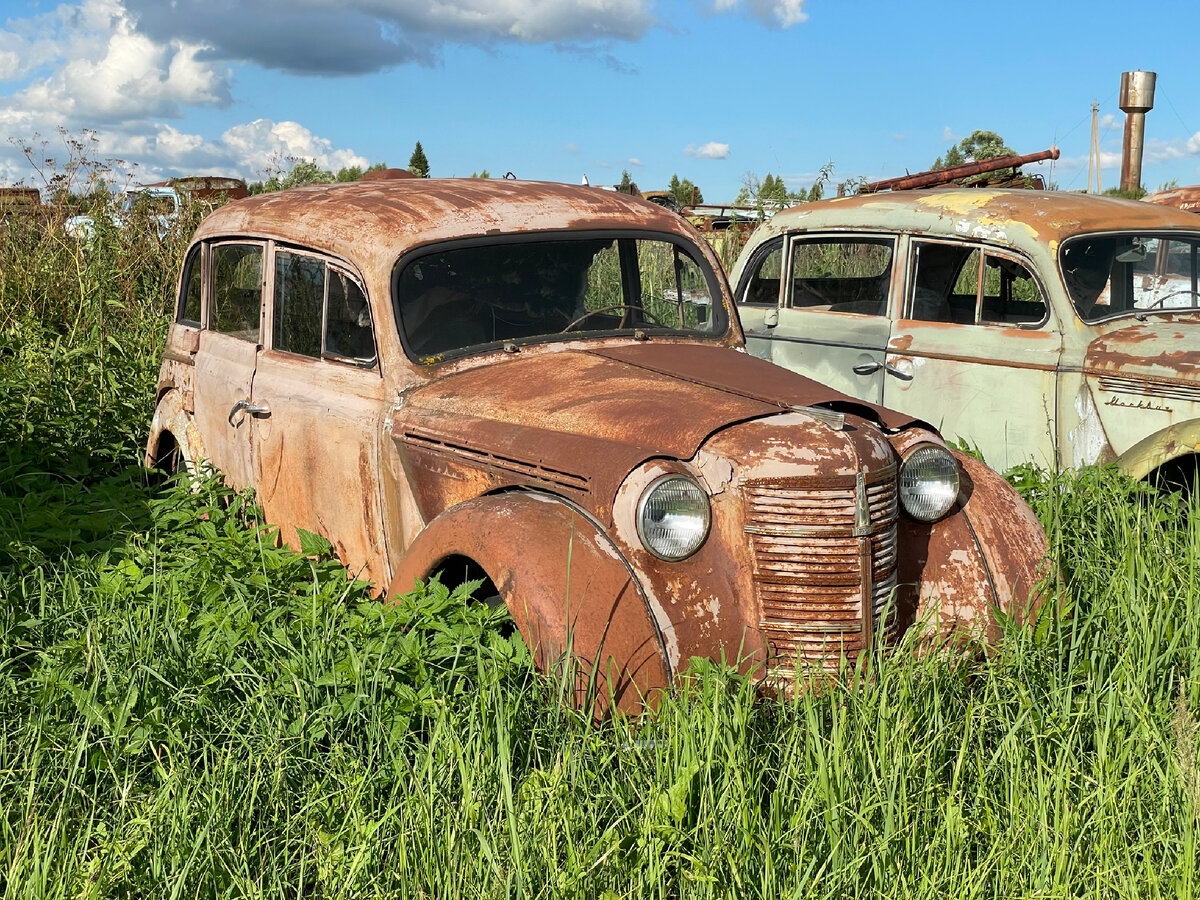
(681, 189)
(417, 163)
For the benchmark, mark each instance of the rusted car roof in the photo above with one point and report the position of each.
(1186, 198)
(378, 220)
(1017, 217)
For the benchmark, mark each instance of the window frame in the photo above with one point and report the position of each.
(720, 300)
(209, 291)
(197, 256)
(1181, 234)
(985, 250)
(881, 238)
(329, 263)
(761, 252)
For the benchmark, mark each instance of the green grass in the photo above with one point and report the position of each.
(188, 711)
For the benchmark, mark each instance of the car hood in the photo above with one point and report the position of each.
(1163, 350)
(584, 418)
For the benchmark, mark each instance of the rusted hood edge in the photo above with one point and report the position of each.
(738, 373)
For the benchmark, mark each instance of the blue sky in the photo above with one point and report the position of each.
(555, 89)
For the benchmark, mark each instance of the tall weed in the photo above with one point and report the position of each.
(188, 710)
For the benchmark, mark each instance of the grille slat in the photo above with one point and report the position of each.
(808, 570)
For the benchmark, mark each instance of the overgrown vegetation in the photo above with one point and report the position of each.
(186, 710)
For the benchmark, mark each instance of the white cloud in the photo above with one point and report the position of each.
(1159, 151)
(1110, 120)
(773, 13)
(634, 161)
(571, 148)
(949, 136)
(711, 150)
(262, 145)
(110, 88)
(106, 72)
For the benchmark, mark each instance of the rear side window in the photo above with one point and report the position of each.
(237, 290)
(320, 311)
(189, 300)
(299, 301)
(348, 333)
(850, 275)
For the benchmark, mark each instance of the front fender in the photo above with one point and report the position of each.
(1172, 442)
(989, 554)
(567, 586)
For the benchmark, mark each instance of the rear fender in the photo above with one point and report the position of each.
(565, 583)
(989, 555)
(171, 417)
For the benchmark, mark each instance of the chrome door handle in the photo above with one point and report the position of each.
(259, 412)
(872, 367)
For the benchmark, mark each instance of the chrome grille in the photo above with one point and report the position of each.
(1145, 387)
(808, 541)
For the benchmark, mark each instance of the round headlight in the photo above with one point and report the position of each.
(673, 517)
(928, 482)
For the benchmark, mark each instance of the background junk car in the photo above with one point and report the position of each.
(1051, 327)
(544, 385)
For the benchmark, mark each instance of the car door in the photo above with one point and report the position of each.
(226, 357)
(318, 384)
(832, 322)
(981, 347)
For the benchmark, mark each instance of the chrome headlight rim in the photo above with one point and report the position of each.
(704, 507)
(915, 498)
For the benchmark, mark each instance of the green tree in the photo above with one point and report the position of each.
(484, 174)
(306, 171)
(417, 163)
(681, 189)
(975, 147)
(771, 192)
(626, 179)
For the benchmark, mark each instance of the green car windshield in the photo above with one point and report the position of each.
(1132, 274)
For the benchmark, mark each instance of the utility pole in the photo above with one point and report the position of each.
(1094, 153)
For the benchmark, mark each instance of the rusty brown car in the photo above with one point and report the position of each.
(545, 386)
(1036, 325)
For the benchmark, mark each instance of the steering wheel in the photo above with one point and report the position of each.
(603, 309)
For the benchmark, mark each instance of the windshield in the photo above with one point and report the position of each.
(1131, 274)
(148, 204)
(481, 296)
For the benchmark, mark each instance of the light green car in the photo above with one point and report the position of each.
(1056, 328)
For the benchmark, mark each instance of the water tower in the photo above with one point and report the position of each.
(1137, 99)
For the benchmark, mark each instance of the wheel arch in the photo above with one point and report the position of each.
(1161, 449)
(566, 584)
(171, 419)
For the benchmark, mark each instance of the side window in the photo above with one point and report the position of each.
(320, 311)
(956, 283)
(348, 332)
(299, 299)
(237, 290)
(189, 301)
(674, 291)
(761, 288)
(842, 274)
